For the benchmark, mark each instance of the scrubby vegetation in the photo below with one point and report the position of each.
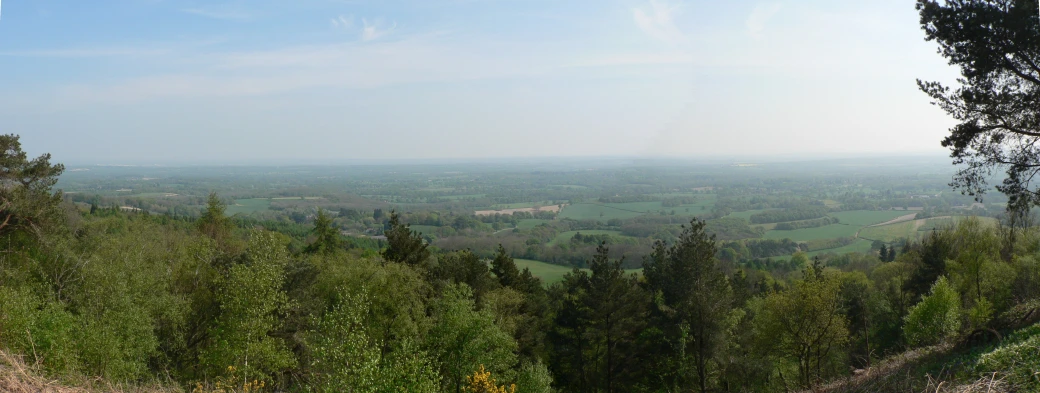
(214, 303)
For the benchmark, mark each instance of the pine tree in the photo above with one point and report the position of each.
(504, 268)
(327, 238)
(404, 245)
(696, 295)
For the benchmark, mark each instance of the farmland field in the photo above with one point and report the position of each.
(747, 213)
(867, 217)
(247, 206)
(529, 223)
(860, 245)
(824, 232)
(566, 236)
(891, 232)
(603, 212)
(550, 273)
(547, 272)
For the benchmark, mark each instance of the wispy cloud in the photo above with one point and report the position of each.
(759, 18)
(658, 21)
(342, 22)
(221, 12)
(373, 30)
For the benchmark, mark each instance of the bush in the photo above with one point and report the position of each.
(935, 318)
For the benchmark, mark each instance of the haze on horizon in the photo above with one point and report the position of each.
(332, 80)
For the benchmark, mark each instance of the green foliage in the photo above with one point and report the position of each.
(534, 378)
(27, 207)
(996, 45)
(793, 214)
(251, 298)
(346, 359)
(403, 244)
(819, 222)
(463, 338)
(326, 236)
(805, 324)
(597, 319)
(936, 317)
(1016, 360)
(44, 331)
(695, 302)
(977, 271)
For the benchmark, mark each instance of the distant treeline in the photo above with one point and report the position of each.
(819, 222)
(792, 214)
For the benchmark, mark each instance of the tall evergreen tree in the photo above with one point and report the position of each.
(505, 269)
(696, 302)
(404, 245)
(598, 317)
(214, 222)
(326, 237)
(933, 252)
(996, 45)
(27, 205)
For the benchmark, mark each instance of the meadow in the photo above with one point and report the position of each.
(550, 273)
(247, 206)
(806, 234)
(565, 237)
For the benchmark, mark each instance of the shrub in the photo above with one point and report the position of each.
(935, 318)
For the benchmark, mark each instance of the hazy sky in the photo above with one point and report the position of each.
(325, 80)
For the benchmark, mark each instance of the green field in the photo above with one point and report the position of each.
(529, 223)
(860, 245)
(868, 217)
(603, 211)
(824, 232)
(550, 273)
(547, 272)
(566, 236)
(297, 198)
(247, 206)
(891, 232)
(747, 213)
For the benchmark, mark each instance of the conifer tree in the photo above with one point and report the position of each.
(404, 245)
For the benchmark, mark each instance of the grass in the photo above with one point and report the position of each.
(248, 206)
(290, 198)
(891, 232)
(547, 272)
(747, 213)
(602, 211)
(566, 236)
(860, 246)
(824, 232)
(529, 223)
(550, 273)
(868, 217)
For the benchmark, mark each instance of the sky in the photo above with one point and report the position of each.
(226, 81)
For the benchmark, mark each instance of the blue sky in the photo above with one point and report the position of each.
(164, 81)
